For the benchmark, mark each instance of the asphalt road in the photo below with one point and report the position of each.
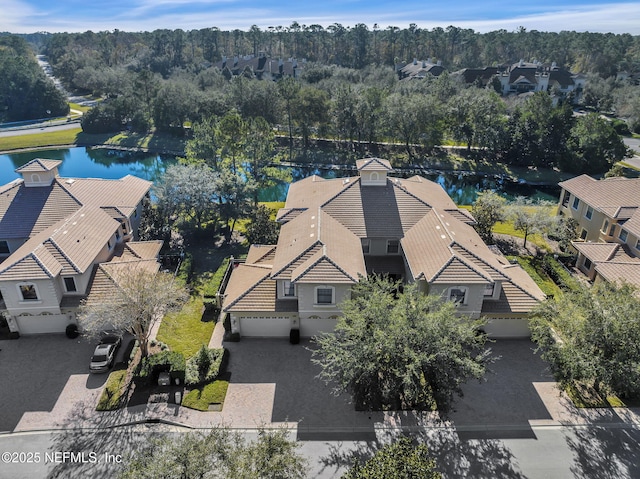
(39, 129)
(552, 452)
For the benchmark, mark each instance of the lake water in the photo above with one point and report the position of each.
(82, 162)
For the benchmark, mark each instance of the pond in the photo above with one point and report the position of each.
(83, 162)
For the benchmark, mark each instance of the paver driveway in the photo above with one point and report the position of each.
(34, 370)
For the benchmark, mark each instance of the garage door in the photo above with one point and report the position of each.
(508, 328)
(312, 326)
(265, 326)
(52, 323)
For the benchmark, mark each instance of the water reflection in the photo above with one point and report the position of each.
(83, 162)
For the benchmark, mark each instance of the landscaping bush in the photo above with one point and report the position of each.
(205, 366)
(212, 284)
(186, 269)
(559, 274)
(169, 361)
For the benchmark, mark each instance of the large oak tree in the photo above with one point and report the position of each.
(393, 350)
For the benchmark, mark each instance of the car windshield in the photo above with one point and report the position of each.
(99, 359)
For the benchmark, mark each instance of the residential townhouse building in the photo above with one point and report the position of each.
(608, 215)
(337, 231)
(62, 239)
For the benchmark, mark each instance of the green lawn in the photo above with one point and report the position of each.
(152, 141)
(201, 398)
(112, 392)
(185, 332)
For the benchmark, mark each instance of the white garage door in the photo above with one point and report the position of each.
(311, 327)
(265, 326)
(508, 328)
(51, 323)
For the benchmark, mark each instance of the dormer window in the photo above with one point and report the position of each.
(288, 289)
(458, 294)
(35, 178)
(29, 292)
(489, 290)
(70, 285)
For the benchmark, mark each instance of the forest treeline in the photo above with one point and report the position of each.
(25, 91)
(348, 89)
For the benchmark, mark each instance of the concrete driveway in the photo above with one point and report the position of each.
(34, 371)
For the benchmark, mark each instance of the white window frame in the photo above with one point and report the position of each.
(393, 241)
(589, 213)
(585, 265)
(463, 289)
(333, 295)
(35, 178)
(605, 226)
(583, 234)
(286, 288)
(625, 233)
(21, 292)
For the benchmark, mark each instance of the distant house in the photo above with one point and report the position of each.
(260, 67)
(336, 231)
(62, 239)
(526, 77)
(419, 69)
(608, 216)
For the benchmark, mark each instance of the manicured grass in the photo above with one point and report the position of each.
(201, 398)
(112, 392)
(53, 138)
(82, 108)
(184, 331)
(544, 282)
(152, 141)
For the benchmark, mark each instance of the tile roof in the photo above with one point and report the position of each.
(620, 272)
(615, 197)
(260, 254)
(373, 164)
(126, 192)
(596, 251)
(26, 211)
(632, 225)
(73, 244)
(321, 241)
(106, 277)
(39, 165)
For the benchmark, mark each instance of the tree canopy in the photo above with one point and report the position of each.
(139, 297)
(218, 454)
(592, 336)
(395, 350)
(398, 460)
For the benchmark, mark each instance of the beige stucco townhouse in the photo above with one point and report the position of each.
(338, 230)
(608, 215)
(62, 239)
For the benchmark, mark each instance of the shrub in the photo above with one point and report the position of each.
(212, 284)
(186, 268)
(205, 366)
(169, 361)
(559, 274)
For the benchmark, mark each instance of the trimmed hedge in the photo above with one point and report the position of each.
(186, 269)
(559, 274)
(169, 361)
(211, 286)
(205, 366)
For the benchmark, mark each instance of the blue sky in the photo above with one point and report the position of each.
(24, 16)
